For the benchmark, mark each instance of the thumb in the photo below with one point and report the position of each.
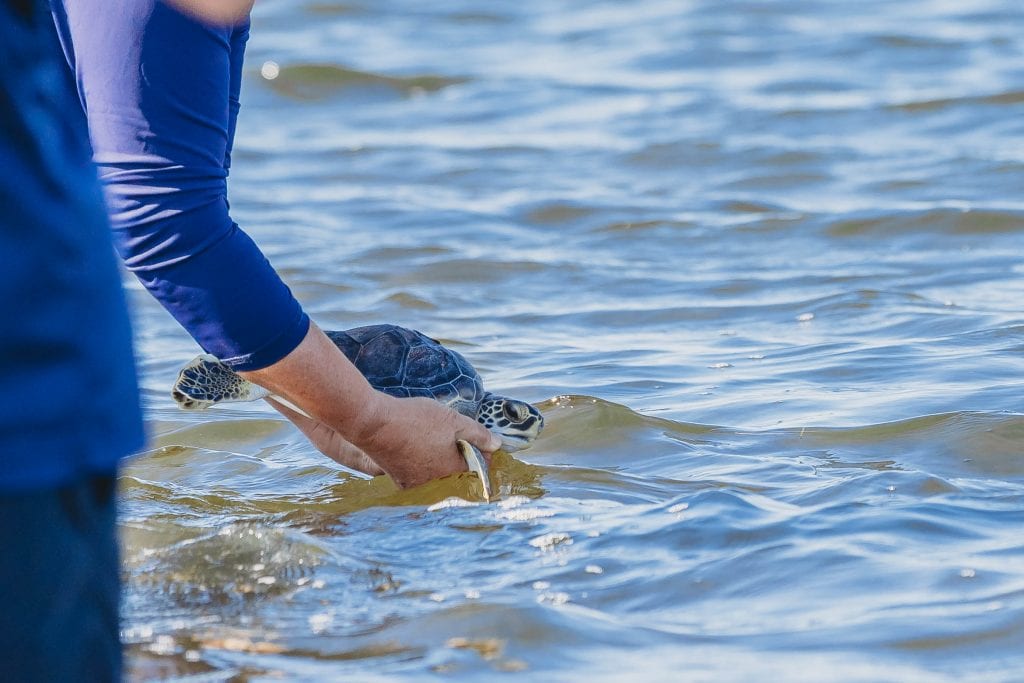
(482, 437)
(493, 441)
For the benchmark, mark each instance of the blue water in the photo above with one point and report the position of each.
(759, 264)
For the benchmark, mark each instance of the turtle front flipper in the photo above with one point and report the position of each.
(206, 381)
(476, 463)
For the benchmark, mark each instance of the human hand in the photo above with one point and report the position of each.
(328, 441)
(413, 439)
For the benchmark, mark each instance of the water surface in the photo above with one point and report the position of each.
(757, 261)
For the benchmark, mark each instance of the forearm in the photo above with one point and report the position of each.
(318, 378)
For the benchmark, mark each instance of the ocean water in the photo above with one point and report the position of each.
(759, 263)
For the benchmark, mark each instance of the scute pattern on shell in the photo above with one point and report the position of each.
(404, 363)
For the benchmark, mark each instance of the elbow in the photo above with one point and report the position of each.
(161, 221)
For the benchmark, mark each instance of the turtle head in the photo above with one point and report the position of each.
(516, 422)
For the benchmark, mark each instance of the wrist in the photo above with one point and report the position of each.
(365, 423)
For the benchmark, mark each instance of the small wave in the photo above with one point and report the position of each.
(409, 301)
(945, 445)
(592, 415)
(334, 8)
(914, 43)
(1009, 98)
(776, 181)
(558, 213)
(943, 221)
(478, 17)
(744, 206)
(461, 271)
(674, 155)
(318, 81)
(648, 228)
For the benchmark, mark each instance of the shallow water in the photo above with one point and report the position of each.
(758, 263)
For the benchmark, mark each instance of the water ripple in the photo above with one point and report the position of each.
(758, 263)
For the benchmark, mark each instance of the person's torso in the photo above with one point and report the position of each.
(69, 401)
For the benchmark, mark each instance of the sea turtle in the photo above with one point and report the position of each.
(398, 361)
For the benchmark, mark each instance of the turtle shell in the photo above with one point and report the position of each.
(403, 362)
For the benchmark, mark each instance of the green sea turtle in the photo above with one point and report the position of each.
(400, 362)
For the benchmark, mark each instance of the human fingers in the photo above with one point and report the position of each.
(329, 442)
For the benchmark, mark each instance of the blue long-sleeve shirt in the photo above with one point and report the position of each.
(160, 92)
(69, 402)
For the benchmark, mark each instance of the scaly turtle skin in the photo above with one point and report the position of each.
(395, 360)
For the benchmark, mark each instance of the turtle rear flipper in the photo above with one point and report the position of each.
(206, 381)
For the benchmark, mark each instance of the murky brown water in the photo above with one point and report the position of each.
(759, 264)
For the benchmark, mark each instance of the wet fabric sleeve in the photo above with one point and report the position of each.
(160, 91)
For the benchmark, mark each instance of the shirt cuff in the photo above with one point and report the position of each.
(232, 302)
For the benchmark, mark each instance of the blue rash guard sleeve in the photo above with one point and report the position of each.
(160, 92)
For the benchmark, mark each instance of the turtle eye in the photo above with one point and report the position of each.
(515, 411)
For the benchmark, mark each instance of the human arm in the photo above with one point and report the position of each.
(161, 93)
(327, 440)
(411, 439)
